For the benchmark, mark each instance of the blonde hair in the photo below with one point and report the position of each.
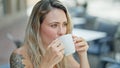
(32, 37)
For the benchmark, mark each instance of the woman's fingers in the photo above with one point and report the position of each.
(77, 39)
(81, 48)
(61, 48)
(54, 43)
(80, 44)
(55, 52)
(56, 46)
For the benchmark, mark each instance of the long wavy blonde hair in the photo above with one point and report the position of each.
(32, 36)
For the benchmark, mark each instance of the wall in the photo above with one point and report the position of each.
(11, 10)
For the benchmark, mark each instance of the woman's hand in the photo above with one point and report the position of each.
(54, 54)
(81, 45)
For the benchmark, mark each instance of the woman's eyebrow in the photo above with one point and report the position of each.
(55, 22)
(65, 22)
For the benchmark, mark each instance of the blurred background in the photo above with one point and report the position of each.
(98, 21)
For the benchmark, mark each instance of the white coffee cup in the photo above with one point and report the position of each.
(68, 43)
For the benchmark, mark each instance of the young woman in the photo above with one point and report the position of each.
(48, 21)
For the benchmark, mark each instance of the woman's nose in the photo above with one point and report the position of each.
(61, 31)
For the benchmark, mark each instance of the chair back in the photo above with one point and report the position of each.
(107, 27)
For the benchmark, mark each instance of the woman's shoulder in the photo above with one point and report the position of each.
(19, 58)
(19, 51)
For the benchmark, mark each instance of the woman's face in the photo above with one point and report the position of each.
(53, 26)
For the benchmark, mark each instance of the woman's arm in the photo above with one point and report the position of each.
(84, 61)
(72, 63)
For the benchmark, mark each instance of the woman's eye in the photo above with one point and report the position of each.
(65, 24)
(54, 25)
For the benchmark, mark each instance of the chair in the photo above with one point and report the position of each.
(106, 26)
(113, 58)
(112, 63)
(90, 22)
(104, 45)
